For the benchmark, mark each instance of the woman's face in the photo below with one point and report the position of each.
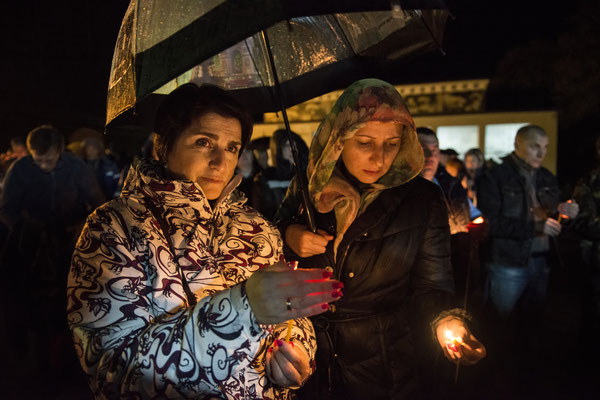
(369, 154)
(206, 152)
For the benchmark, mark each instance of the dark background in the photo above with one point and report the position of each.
(538, 55)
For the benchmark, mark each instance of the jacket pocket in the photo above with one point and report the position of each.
(513, 200)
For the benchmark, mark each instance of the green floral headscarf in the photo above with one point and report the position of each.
(363, 101)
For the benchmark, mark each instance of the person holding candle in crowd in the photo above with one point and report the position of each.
(175, 290)
(384, 233)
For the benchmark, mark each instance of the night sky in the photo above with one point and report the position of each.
(57, 55)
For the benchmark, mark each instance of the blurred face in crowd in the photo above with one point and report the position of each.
(262, 157)
(244, 164)
(19, 151)
(369, 154)
(206, 152)
(286, 152)
(47, 161)
(532, 149)
(472, 163)
(431, 150)
(92, 152)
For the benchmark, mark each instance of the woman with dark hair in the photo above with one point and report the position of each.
(384, 232)
(168, 292)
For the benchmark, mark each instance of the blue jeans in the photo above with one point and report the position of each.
(508, 284)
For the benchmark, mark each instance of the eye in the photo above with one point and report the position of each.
(203, 142)
(233, 149)
(393, 144)
(363, 143)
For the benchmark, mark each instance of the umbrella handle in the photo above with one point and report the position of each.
(300, 176)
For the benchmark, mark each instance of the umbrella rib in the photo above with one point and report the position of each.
(269, 89)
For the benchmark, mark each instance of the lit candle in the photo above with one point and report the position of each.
(453, 343)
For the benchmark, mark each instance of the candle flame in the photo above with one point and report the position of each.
(478, 220)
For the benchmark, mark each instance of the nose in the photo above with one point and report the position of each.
(377, 156)
(217, 158)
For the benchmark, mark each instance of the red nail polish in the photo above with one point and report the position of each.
(327, 274)
(279, 342)
(270, 350)
(337, 285)
(324, 306)
(292, 343)
(336, 294)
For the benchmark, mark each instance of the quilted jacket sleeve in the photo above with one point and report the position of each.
(125, 348)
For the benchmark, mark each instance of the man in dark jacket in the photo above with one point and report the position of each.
(43, 206)
(520, 199)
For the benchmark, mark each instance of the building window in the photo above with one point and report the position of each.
(500, 140)
(459, 137)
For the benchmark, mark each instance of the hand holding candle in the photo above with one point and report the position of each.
(279, 293)
(458, 343)
(567, 210)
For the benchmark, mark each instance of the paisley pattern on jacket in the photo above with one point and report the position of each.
(133, 332)
(363, 101)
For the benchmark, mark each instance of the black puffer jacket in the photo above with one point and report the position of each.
(394, 262)
(502, 199)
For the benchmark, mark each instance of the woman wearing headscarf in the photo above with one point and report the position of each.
(384, 233)
(174, 289)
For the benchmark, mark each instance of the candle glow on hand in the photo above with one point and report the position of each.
(454, 342)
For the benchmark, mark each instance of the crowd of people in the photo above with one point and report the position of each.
(197, 270)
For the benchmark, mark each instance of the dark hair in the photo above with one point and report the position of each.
(449, 152)
(426, 131)
(189, 102)
(43, 138)
(530, 132)
(477, 153)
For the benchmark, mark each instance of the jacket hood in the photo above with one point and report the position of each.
(146, 179)
(363, 101)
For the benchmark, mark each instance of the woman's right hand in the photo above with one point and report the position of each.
(309, 292)
(304, 242)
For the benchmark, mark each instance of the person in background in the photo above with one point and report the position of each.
(245, 167)
(46, 198)
(175, 288)
(105, 170)
(474, 168)
(520, 200)
(447, 154)
(271, 184)
(458, 208)
(384, 233)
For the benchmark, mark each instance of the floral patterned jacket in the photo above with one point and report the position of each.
(133, 331)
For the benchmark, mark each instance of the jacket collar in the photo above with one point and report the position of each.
(146, 179)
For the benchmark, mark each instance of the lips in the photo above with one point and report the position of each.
(212, 180)
(371, 172)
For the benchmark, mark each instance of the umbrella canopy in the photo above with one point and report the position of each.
(318, 46)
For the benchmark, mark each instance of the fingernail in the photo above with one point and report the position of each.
(279, 342)
(292, 343)
(270, 349)
(325, 306)
(327, 274)
(337, 285)
(336, 294)
(293, 265)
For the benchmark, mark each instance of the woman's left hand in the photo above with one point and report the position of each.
(287, 364)
(465, 349)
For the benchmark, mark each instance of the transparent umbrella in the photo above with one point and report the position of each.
(273, 53)
(163, 44)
